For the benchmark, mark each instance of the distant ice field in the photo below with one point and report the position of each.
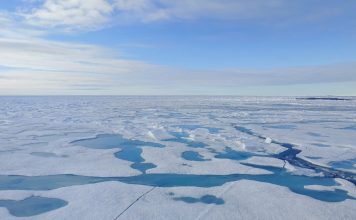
(177, 157)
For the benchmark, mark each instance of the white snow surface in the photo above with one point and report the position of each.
(36, 135)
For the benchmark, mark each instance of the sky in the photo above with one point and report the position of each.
(178, 47)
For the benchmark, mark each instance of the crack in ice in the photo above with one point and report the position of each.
(290, 155)
(144, 194)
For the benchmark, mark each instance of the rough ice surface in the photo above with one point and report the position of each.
(177, 158)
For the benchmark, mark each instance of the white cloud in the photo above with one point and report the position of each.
(30, 80)
(33, 64)
(91, 14)
(148, 11)
(69, 14)
(11, 27)
(74, 15)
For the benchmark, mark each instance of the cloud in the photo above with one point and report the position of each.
(12, 27)
(29, 81)
(254, 77)
(78, 15)
(34, 64)
(149, 11)
(69, 14)
(31, 64)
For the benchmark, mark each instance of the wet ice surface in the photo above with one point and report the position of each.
(207, 199)
(130, 149)
(31, 206)
(177, 158)
(193, 156)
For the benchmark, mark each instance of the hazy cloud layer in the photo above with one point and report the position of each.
(95, 14)
(39, 64)
(29, 63)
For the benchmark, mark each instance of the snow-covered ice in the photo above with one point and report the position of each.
(179, 157)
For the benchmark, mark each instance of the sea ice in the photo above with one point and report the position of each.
(177, 158)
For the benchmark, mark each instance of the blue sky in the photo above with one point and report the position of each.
(171, 47)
